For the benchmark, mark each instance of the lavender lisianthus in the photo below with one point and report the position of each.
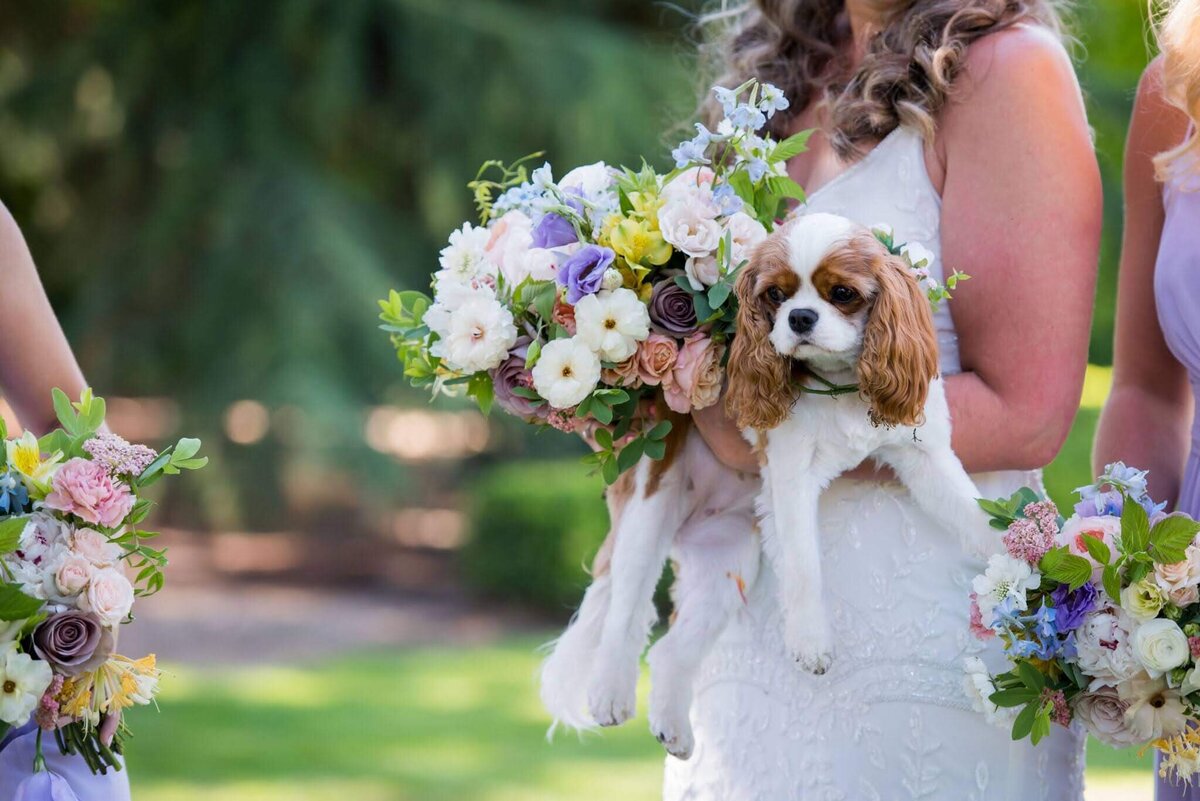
(553, 231)
(583, 273)
(73, 642)
(672, 310)
(512, 374)
(1072, 606)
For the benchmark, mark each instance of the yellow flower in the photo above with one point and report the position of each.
(639, 243)
(117, 684)
(646, 206)
(25, 457)
(605, 230)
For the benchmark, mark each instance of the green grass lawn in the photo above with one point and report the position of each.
(436, 724)
(419, 725)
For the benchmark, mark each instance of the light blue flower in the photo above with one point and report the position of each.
(542, 178)
(772, 100)
(727, 200)
(14, 497)
(726, 97)
(690, 152)
(757, 169)
(747, 116)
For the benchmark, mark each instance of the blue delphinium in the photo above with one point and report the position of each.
(14, 497)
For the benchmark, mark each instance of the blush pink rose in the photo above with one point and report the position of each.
(85, 489)
(109, 596)
(624, 374)
(697, 375)
(95, 547)
(656, 358)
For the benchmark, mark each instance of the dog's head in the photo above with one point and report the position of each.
(823, 292)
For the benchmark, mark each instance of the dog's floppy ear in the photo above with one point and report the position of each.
(899, 352)
(760, 393)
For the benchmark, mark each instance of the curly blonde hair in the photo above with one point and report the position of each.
(904, 78)
(1178, 34)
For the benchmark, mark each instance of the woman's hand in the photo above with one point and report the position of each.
(724, 439)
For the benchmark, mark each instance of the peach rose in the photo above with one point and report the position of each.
(697, 375)
(564, 315)
(624, 374)
(656, 358)
(1179, 580)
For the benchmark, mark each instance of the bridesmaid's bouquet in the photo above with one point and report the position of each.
(583, 303)
(1099, 617)
(71, 514)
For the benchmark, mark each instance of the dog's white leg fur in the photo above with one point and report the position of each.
(644, 535)
(564, 673)
(706, 595)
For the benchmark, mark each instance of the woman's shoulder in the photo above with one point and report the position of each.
(1012, 63)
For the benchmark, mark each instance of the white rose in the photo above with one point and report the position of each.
(1005, 577)
(95, 547)
(72, 575)
(475, 336)
(1160, 646)
(978, 685)
(566, 372)
(689, 226)
(745, 234)
(702, 271)
(109, 596)
(590, 179)
(1103, 649)
(612, 323)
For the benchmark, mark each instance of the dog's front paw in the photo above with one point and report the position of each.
(612, 695)
(809, 643)
(670, 724)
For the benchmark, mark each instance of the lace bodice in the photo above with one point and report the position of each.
(890, 720)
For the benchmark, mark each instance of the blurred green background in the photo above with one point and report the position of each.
(216, 193)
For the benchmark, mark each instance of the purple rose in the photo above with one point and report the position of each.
(511, 374)
(73, 642)
(672, 310)
(554, 231)
(583, 273)
(1072, 606)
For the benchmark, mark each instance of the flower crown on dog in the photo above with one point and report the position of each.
(919, 261)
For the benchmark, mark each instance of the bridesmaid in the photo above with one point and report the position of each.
(1148, 420)
(34, 358)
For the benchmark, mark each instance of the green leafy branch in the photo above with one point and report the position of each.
(485, 190)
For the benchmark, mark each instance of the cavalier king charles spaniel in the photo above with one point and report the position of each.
(823, 302)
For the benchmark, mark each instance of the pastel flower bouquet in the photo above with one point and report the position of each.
(1099, 616)
(590, 303)
(71, 509)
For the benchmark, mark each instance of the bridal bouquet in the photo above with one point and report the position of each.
(71, 507)
(1099, 616)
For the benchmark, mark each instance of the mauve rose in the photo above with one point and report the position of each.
(72, 643)
(1103, 713)
(510, 374)
(672, 310)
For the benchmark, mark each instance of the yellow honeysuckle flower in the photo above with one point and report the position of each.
(639, 243)
(25, 457)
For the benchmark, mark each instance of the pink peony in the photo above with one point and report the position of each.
(84, 489)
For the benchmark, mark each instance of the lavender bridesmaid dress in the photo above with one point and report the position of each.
(1177, 294)
(16, 761)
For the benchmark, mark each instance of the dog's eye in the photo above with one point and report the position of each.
(776, 295)
(842, 294)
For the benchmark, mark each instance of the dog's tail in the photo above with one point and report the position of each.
(566, 671)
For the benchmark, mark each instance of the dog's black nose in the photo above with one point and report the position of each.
(802, 320)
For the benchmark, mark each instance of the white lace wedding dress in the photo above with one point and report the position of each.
(890, 720)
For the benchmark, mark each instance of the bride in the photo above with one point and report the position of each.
(960, 124)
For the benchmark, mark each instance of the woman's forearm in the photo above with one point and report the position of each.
(34, 354)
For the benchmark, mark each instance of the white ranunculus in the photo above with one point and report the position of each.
(591, 179)
(978, 685)
(745, 233)
(1102, 713)
(566, 372)
(463, 259)
(1103, 648)
(475, 336)
(690, 226)
(109, 596)
(612, 323)
(1160, 646)
(23, 679)
(1154, 710)
(1005, 577)
(702, 271)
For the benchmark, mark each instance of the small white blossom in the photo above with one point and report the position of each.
(475, 335)
(463, 259)
(566, 372)
(612, 323)
(23, 679)
(1005, 577)
(978, 685)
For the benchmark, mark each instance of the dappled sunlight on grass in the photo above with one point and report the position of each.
(431, 724)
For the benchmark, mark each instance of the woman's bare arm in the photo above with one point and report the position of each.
(1146, 419)
(34, 354)
(1021, 214)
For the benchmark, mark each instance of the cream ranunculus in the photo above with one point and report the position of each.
(1160, 645)
(566, 372)
(1143, 600)
(612, 323)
